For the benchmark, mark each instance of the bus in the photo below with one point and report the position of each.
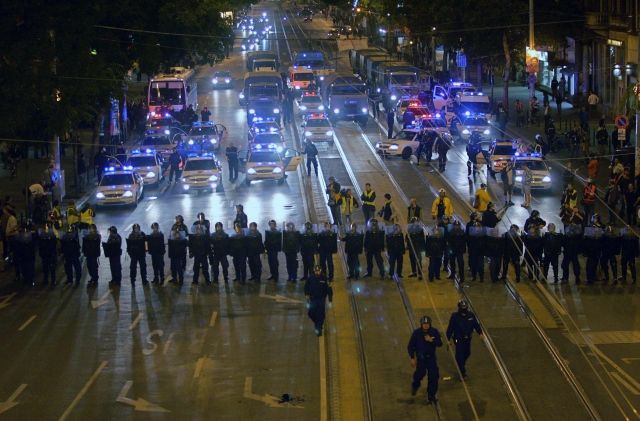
(176, 89)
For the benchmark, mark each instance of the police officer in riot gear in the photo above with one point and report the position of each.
(611, 244)
(48, 250)
(435, 246)
(592, 248)
(395, 250)
(180, 226)
(534, 221)
(513, 247)
(416, 246)
(91, 252)
(113, 250)
(570, 252)
(327, 247)
(630, 250)
(291, 248)
(317, 290)
(534, 244)
(493, 249)
(353, 245)
(461, 326)
(422, 350)
(255, 248)
(201, 220)
(273, 246)
(238, 251)
(551, 246)
(374, 246)
(70, 245)
(156, 248)
(219, 243)
(24, 254)
(456, 247)
(308, 249)
(177, 245)
(137, 254)
(199, 250)
(476, 245)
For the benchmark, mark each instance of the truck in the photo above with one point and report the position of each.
(254, 55)
(345, 98)
(313, 60)
(264, 65)
(396, 79)
(356, 57)
(259, 77)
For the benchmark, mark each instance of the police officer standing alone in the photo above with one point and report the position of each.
(317, 290)
(312, 152)
(422, 351)
(156, 248)
(137, 253)
(461, 326)
(70, 244)
(232, 159)
(327, 247)
(91, 252)
(353, 243)
(291, 248)
(273, 245)
(219, 244)
(113, 250)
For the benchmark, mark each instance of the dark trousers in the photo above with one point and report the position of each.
(389, 130)
(533, 265)
(442, 162)
(551, 260)
(313, 161)
(395, 264)
(476, 264)
(368, 212)
(456, 263)
(292, 266)
(572, 259)
(25, 268)
(609, 260)
(353, 264)
(307, 264)
(374, 255)
(435, 263)
(200, 263)
(116, 269)
(427, 366)
(592, 268)
(48, 269)
(463, 351)
(326, 263)
(515, 260)
(92, 267)
(216, 262)
(157, 262)
(72, 266)
(631, 261)
(317, 313)
(415, 259)
(135, 262)
(255, 266)
(240, 267)
(174, 173)
(336, 214)
(233, 170)
(494, 268)
(272, 259)
(177, 271)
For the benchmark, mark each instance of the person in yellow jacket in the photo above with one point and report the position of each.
(441, 206)
(86, 216)
(73, 218)
(482, 198)
(349, 203)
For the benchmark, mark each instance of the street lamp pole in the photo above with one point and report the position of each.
(636, 91)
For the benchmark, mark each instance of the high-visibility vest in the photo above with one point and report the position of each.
(368, 200)
(72, 215)
(86, 217)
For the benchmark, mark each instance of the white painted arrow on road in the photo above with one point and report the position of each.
(138, 404)
(6, 300)
(277, 298)
(267, 399)
(101, 301)
(11, 402)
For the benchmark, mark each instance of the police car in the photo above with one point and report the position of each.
(205, 136)
(222, 80)
(500, 153)
(269, 141)
(318, 129)
(404, 103)
(469, 124)
(268, 164)
(310, 104)
(161, 125)
(201, 172)
(147, 163)
(539, 170)
(265, 126)
(119, 186)
(403, 144)
(162, 145)
(436, 123)
(419, 111)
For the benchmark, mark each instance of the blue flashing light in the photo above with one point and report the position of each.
(257, 146)
(190, 142)
(167, 115)
(517, 153)
(149, 150)
(128, 168)
(135, 151)
(438, 115)
(192, 155)
(109, 169)
(467, 113)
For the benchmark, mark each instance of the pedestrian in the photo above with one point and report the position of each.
(312, 153)
(459, 331)
(374, 246)
(476, 244)
(177, 250)
(554, 86)
(241, 217)
(156, 248)
(368, 198)
(391, 119)
(630, 200)
(551, 246)
(219, 249)
(534, 245)
(137, 254)
(73, 217)
(482, 198)
(527, 181)
(506, 176)
(415, 239)
(202, 221)
(569, 197)
(113, 250)
(308, 249)
(327, 247)
(255, 248)
(592, 248)
(334, 201)
(205, 114)
(291, 248)
(48, 249)
(630, 250)
(395, 250)
(589, 196)
(317, 290)
(86, 217)
(513, 248)
(592, 167)
(180, 226)
(441, 206)
(70, 246)
(238, 251)
(534, 221)
(602, 137)
(413, 210)
(354, 242)
(456, 248)
(559, 104)
(387, 212)
(91, 252)
(273, 246)
(81, 167)
(562, 87)
(434, 249)
(349, 203)
(614, 198)
(422, 351)
(593, 101)
(519, 113)
(232, 160)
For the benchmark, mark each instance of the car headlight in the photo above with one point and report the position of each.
(241, 95)
(308, 133)
(128, 193)
(519, 178)
(251, 171)
(364, 110)
(321, 107)
(277, 170)
(227, 80)
(329, 132)
(244, 47)
(276, 110)
(150, 174)
(213, 141)
(252, 111)
(393, 147)
(466, 131)
(486, 131)
(336, 111)
(184, 179)
(185, 186)
(297, 87)
(190, 142)
(213, 178)
(393, 97)
(303, 107)
(215, 81)
(167, 132)
(546, 179)
(378, 90)
(279, 149)
(99, 195)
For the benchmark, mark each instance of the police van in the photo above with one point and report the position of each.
(201, 172)
(119, 186)
(501, 152)
(539, 170)
(265, 163)
(403, 144)
(147, 163)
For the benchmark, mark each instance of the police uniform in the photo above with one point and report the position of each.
(238, 251)
(353, 244)
(592, 250)
(534, 244)
(137, 253)
(24, 256)
(255, 248)
(571, 245)
(456, 248)
(177, 254)
(70, 245)
(434, 246)
(181, 227)
(91, 252)
(461, 327)
(273, 245)
(424, 353)
(374, 246)
(308, 250)
(219, 243)
(317, 290)
(113, 250)
(291, 248)
(156, 248)
(512, 251)
(494, 249)
(476, 242)
(327, 247)
(551, 245)
(199, 250)
(395, 250)
(416, 246)
(48, 250)
(611, 244)
(630, 249)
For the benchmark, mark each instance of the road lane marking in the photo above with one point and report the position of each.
(137, 404)
(84, 391)
(149, 340)
(136, 321)
(630, 359)
(267, 399)
(323, 380)
(167, 344)
(277, 297)
(104, 299)
(11, 402)
(212, 321)
(6, 300)
(199, 365)
(27, 323)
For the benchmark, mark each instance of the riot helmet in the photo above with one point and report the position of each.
(463, 306)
